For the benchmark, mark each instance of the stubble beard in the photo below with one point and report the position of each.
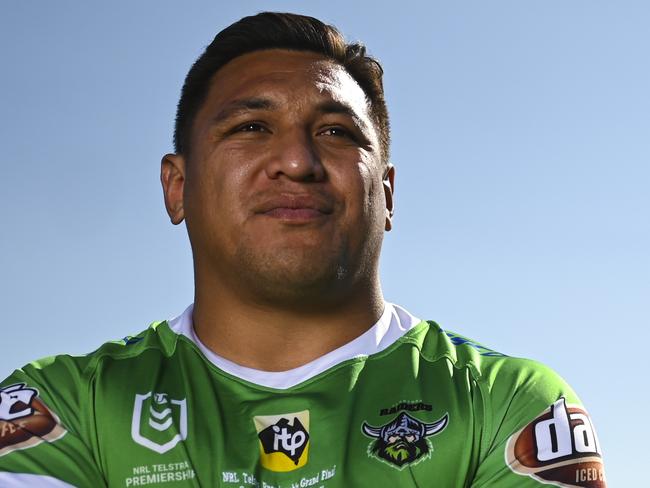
(298, 276)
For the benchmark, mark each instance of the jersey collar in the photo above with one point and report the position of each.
(393, 324)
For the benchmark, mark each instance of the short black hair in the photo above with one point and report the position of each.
(274, 30)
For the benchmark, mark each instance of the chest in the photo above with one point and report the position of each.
(357, 427)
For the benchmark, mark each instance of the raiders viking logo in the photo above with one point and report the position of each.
(403, 441)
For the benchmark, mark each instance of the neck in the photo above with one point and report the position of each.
(257, 335)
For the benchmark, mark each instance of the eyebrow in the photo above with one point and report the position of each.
(334, 107)
(242, 105)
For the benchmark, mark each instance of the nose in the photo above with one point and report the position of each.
(294, 156)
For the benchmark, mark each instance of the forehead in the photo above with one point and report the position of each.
(291, 77)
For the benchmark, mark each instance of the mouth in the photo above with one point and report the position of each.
(295, 208)
(285, 213)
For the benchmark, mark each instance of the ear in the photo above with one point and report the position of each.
(172, 177)
(389, 189)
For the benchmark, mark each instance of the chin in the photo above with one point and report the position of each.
(294, 275)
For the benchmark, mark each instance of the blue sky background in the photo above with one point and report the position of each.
(521, 136)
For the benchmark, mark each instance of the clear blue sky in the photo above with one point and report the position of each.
(521, 135)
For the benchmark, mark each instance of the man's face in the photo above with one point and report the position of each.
(284, 192)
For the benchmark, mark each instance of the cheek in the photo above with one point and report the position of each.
(216, 179)
(210, 199)
(363, 185)
(363, 195)
(374, 199)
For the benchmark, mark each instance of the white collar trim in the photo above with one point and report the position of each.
(393, 324)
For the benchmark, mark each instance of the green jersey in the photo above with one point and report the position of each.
(404, 405)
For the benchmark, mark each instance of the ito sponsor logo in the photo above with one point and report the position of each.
(283, 440)
(559, 447)
(158, 422)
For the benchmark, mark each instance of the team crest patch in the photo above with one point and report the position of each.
(283, 440)
(404, 441)
(158, 422)
(25, 421)
(559, 447)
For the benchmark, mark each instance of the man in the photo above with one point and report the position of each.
(290, 369)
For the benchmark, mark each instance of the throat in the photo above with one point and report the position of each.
(280, 342)
(289, 362)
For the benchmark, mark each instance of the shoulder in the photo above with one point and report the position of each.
(534, 426)
(54, 405)
(499, 377)
(156, 336)
(65, 382)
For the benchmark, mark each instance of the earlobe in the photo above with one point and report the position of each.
(389, 190)
(172, 177)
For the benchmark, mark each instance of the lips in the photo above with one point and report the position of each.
(290, 206)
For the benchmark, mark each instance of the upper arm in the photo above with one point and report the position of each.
(539, 432)
(42, 438)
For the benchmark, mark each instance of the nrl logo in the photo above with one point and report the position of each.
(158, 423)
(403, 441)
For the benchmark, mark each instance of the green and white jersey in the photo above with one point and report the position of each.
(406, 404)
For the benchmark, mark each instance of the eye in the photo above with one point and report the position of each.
(251, 127)
(336, 131)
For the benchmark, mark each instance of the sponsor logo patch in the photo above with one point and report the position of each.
(25, 421)
(283, 440)
(404, 441)
(159, 422)
(559, 447)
